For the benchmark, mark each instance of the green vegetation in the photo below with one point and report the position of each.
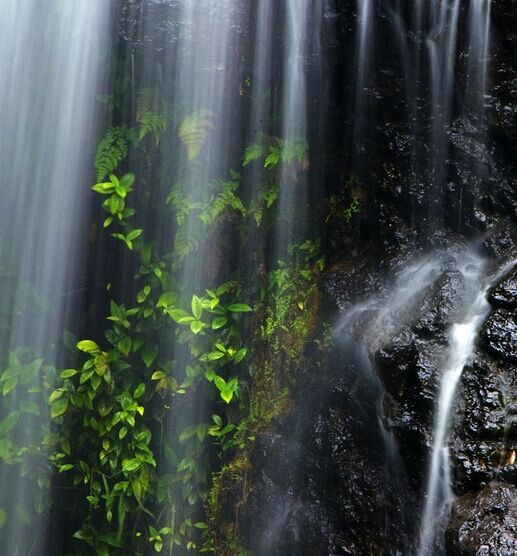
(132, 457)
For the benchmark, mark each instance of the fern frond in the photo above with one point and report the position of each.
(112, 149)
(150, 115)
(193, 131)
(154, 124)
(186, 240)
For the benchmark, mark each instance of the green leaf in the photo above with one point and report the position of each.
(220, 382)
(139, 391)
(178, 314)
(219, 322)
(193, 131)
(186, 320)
(105, 188)
(214, 355)
(65, 467)
(86, 375)
(9, 422)
(127, 180)
(130, 465)
(9, 385)
(226, 395)
(115, 204)
(102, 550)
(88, 347)
(59, 407)
(196, 326)
(166, 300)
(197, 307)
(133, 234)
(239, 356)
(158, 375)
(68, 373)
(55, 395)
(239, 308)
(124, 345)
(84, 534)
(149, 354)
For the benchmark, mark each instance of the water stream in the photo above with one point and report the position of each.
(463, 336)
(50, 63)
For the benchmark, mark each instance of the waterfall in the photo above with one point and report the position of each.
(302, 22)
(247, 249)
(463, 335)
(365, 42)
(363, 330)
(50, 56)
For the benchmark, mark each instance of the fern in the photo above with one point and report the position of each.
(193, 131)
(150, 115)
(112, 149)
(264, 200)
(225, 199)
(182, 203)
(253, 152)
(186, 240)
(288, 150)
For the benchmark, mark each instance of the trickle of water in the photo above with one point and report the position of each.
(439, 495)
(364, 329)
(302, 19)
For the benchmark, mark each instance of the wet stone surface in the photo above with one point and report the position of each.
(485, 523)
(499, 335)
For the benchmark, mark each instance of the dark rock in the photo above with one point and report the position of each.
(499, 335)
(500, 242)
(485, 523)
(504, 294)
(440, 305)
(326, 494)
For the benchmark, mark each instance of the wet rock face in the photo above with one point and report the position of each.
(485, 434)
(485, 523)
(319, 475)
(500, 335)
(504, 294)
(328, 479)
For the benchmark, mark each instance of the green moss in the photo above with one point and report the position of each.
(222, 513)
(285, 324)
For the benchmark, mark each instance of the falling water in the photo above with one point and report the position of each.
(463, 334)
(428, 47)
(50, 54)
(220, 75)
(364, 329)
(364, 62)
(441, 47)
(479, 51)
(259, 125)
(302, 20)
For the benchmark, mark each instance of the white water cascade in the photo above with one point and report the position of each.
(50, 63)
(302, 20)
(463, 335)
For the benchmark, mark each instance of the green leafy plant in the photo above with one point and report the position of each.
(112, 149)
(194, 130)
(150, 115)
